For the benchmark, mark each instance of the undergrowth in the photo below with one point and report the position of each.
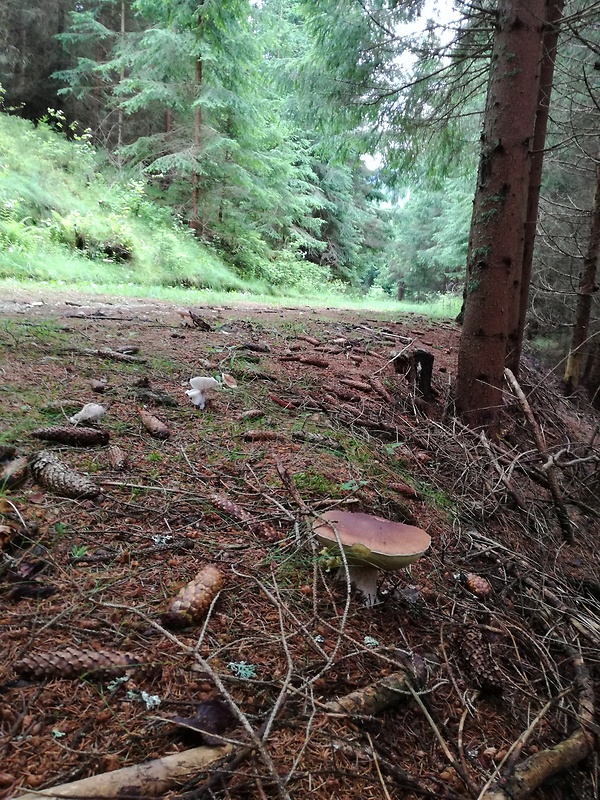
(66, 217)
(69, 220)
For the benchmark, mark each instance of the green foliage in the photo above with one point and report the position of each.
(247, 123)
(61, 213)
(430, 245)
(224, 75)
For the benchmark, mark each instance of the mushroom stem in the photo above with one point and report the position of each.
(365, 580)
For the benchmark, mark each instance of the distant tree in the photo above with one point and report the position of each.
(97, 30)
(564, 289)
(30, 53)
(585, 292)
(428, 248)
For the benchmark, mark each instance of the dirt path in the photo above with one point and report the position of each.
(47, 303)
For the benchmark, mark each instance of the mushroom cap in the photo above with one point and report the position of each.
(370, 540)
(203, 383)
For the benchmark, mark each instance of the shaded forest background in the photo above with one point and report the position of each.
(310, 145)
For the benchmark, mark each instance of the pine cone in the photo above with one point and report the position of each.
(52, 474)
(237, 512)
(69, 434)
(117, 458)
(477, 585)
(14, 472)
(71, 662)
(193, 601)
(476, 655)
(153, 425)
(7, 451)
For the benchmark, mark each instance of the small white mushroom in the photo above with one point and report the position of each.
(91, 412)
(370, 544)
(200, 387)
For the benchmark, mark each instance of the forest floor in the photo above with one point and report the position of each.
(492, 636)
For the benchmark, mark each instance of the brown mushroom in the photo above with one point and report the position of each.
(370, 544)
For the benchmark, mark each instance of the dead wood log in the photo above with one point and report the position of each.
(150, 779)
(551, 469)
(375, 697)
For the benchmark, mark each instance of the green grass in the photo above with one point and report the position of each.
(63, 212)
(60, 209)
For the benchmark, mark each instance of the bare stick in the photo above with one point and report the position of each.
(512, 490)
(552, 473)
(458, 767)
(531, 773)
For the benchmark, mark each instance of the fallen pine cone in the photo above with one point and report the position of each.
(253, 413)
(477, 656)
(309, 339)
(237, 512)
(356, 384)
(378, 387)
(14, 472)
(49, 471)
(477, 585)
(70, 434)
(72, 662)
(153, 425)
(117, 458)
(256, 435)
(404, 489)
(7, 451)
(193, 601)
(199, 323)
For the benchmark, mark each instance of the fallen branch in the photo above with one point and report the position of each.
(551, 471)
(511, 489)
(374, 698)
(586, 626)
(151, 779)
(531, 773)
(106, 352)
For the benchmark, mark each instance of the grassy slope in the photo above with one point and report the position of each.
(53, 194)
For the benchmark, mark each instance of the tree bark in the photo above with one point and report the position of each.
(554, 11)
(495, 254)
(587, 286)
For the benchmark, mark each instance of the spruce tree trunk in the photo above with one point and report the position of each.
(587, 286)
(554, 10)
(495, 254)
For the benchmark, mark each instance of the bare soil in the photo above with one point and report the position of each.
(283, 637)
